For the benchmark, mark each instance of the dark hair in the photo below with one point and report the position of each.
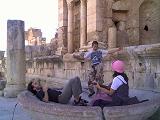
(30, 88)
(94, 42)
(115, 74)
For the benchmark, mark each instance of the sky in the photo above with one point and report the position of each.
(40, 14)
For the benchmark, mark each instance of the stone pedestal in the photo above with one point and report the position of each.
(15, 58)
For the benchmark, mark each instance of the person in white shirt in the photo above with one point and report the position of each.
(118, 89)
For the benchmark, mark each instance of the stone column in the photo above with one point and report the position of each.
(15, 58)
(83, 24)
(70, 27)
(112, 36)
(62, 27)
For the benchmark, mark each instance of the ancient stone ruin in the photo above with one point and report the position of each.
(113, 23)
(133, 25)
(34, 37)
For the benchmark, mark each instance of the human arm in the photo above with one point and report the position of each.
(113, 50)
(109, 91)
(80, 57)
(45, 90)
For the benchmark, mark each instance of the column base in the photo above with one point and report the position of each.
(12, 91)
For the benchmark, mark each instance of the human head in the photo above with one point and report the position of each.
(95, 45)
(30, 88)
(33, 86)
(118, 66)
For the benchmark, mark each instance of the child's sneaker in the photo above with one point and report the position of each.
(81, 102)
(91, 94)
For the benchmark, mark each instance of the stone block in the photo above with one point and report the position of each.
(133, 34)
(121, 6)
(117, 16)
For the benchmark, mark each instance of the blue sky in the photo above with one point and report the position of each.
(42, 14)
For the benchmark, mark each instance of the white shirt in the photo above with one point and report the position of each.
(87, 55)
(117, 82)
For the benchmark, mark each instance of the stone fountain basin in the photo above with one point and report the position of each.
(39, 110)
(140, 111)
(54, 111)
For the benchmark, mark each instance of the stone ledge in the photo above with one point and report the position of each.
(140, 111)
(48, 111)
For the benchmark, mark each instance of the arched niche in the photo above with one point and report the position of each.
(149, 22)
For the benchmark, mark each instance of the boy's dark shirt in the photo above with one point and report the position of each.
(52, 95)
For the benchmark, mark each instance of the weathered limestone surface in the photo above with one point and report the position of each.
(70, 27)
(53, 111)
(112, 37)
(42, 111)
(34, 37)
(62, 27)
(149, 22)
(15, 58)
(140, 111)
(83, 31)
(141, 26)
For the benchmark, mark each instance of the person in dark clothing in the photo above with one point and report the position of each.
(118, 89)
(72, 88)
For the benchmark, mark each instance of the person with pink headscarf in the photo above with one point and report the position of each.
(118, 90)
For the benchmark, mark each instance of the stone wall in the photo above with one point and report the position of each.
(134, 22)
(149, 22)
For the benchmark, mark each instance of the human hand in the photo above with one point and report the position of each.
(96, 84)
(74, 55)
(120, 48)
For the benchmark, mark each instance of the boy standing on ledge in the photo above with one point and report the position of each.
(96, 55)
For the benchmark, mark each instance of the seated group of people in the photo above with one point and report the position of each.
(118, 90)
